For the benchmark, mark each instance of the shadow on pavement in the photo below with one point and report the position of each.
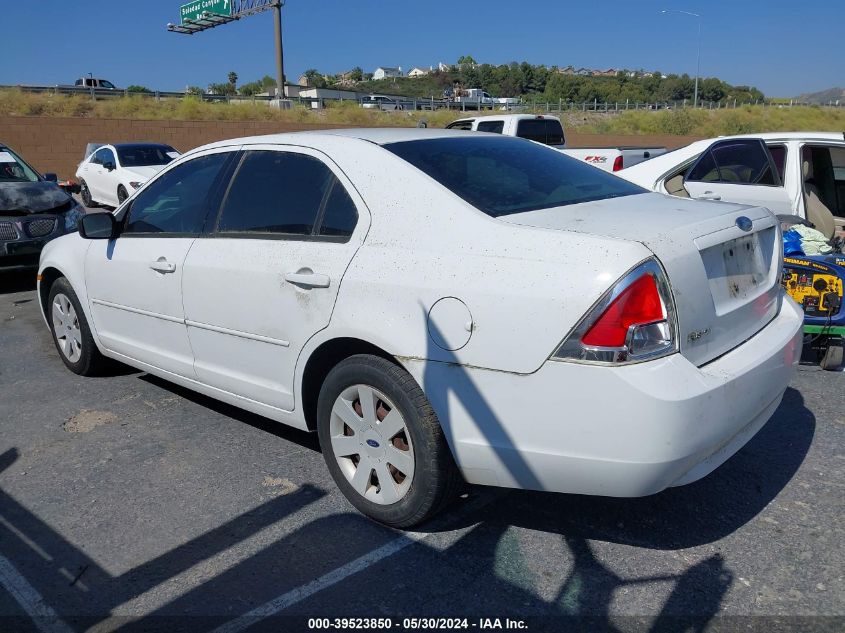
(17, 280)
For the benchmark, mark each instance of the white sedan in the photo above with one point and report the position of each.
(113, 172)
(790, 173)
(440, 306)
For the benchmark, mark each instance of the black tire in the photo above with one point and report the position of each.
(85, 194)
(832, 359)
(90, 362)
(121, 194)
(436, 479)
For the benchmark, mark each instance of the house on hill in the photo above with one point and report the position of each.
(383, 72)
(418, 72)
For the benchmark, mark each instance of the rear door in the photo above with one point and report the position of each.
(265, 279)
(738, 170)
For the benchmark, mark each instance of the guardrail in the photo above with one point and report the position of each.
(524, 105)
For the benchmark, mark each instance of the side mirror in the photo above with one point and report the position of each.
(98, 226)
(51, 177)
(109, 166)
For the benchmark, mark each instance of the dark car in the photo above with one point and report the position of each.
(33, 210)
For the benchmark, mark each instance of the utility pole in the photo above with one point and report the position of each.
(280, 59)
(698, 57)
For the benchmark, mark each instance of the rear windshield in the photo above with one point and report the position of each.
(503, 175)
(546, 131)
(141, 155)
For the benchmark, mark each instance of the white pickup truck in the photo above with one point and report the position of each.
(548, 130)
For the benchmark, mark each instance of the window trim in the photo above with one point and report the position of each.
(709, 149)
(314, 236)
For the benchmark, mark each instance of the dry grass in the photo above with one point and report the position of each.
(747, 119)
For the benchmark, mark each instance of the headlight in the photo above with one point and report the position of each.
(135, 184)
(73, 216)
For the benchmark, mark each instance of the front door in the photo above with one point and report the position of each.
(738, 170)
(266, 278)
(135, 282)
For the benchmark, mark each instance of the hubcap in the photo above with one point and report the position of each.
(371, 444)
(66, 328)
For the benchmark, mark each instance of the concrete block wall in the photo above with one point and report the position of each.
(54, 144)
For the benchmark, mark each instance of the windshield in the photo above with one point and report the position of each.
(14, 169)
(142, 155)
(503, 175)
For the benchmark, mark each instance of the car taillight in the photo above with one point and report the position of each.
(617, 163)
(632, 322)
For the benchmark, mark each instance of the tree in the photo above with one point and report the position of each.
(314, 78)
(233, 78)
(466, 59)
(134, 88)
(356, 74)
(195, 91)
(222, 89)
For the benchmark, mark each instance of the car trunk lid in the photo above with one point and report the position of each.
(722, 260)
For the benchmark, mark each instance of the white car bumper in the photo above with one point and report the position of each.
(624, 432)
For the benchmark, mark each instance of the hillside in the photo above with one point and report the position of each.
(550, 84)
(823, 97)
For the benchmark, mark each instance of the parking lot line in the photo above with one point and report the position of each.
(30, 600)
(280, 603)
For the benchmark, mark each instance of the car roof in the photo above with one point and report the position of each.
(136, 145)
(378, 136)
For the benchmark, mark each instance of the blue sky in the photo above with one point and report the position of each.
(784, 47)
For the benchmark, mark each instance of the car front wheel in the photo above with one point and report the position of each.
(85, 194)
(71, 332)
(121, 194)
(383, 444)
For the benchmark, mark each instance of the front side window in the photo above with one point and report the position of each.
(500, 175)
(285, 193)
(106, 84)
(144, 155)
(734, 162)
(103, 156)
(14, 169)
(495, 127)
(546, 131)
(176, 201)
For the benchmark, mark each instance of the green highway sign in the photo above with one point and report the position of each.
(194, 10)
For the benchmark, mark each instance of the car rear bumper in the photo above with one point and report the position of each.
(615, 431)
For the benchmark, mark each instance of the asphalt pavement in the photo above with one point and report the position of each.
(127, 502)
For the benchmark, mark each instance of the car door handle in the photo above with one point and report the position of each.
(307, 278)
(708, 195)
(163, 266)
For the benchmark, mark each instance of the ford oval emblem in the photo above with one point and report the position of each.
(744, 223)
(372, 443)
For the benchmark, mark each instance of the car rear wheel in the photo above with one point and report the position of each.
(71, 332)
(85, 194)
(383, 444)
(121, 194)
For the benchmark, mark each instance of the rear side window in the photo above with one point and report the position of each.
(734, 162)
(778, 153)
(546, 131)
(286, 193)
(500, 175)
(176, 201)
(340, 215)
(495, 127)
(460, 125)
